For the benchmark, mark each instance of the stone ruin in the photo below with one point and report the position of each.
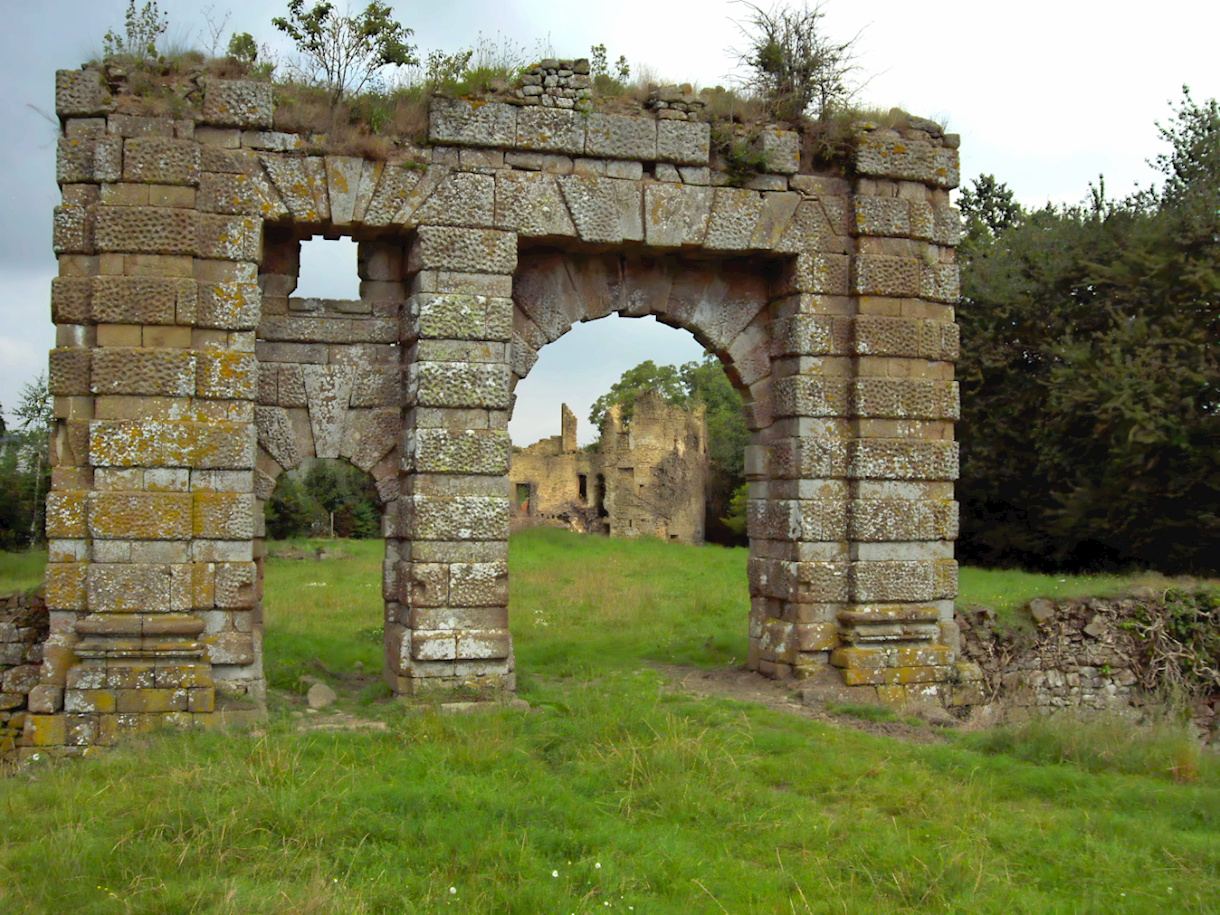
(647, 479)
(186, 378)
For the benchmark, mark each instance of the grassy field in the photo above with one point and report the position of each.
(613, 792)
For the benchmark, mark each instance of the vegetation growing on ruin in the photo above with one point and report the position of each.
(616, 791)
(1089, 370)
(355, 85)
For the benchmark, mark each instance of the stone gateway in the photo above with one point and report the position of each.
(186, 377)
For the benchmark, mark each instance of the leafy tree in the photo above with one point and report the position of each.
(345, 52)
(647, 376)
(348, 496)
(139, 39)
(24, 470)
(290, 509)
(989, 207)
(794, 64)
(1089, 370)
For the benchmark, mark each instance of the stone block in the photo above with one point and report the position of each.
(882, 216)
(343, 185)
(228, 306)
(550, 130)
(88, 161)
(139, 516)
(878, 275)
(394, 189)
(230, 648)
(71, 300)
(69, 372)
(240, 195)
(896, 459)
(233, 238)
(902, 398)
(734, 218)
(369, 435)
(142, 299)
(684, 142)
(328, 389)
(616, 136)
(65, 517)
(781, 150)
(226, 375)
(80, 93)
(238, 103)
(464, 452)
(146, 230)
(939, 283)
(461, 317)
(478, 584)
(127, 588)
(472, 123)
(295, 186)
(460, 199)
(887, 154)
(449, 384)
(219, 445)
(65, 585)
(604, 210)
(676, 215)
(531, 203)
(235, 585)
(433, 645)
(463, 250)
(886, 520)
(456, 518)
(480, 645)
(155, 160)
(139, 371)
(72, 230)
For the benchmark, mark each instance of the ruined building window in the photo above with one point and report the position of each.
(584, 488)
(599, 494)
(523, 497)
(328, 270)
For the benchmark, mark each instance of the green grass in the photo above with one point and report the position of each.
(21, 571)
(614, 792)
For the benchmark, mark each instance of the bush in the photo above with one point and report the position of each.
(796, 67)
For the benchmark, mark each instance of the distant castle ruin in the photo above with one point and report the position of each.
(647, 478)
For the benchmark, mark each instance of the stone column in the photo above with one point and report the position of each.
(151, 579)
(798, 506)
(449, 626)
(897, 630)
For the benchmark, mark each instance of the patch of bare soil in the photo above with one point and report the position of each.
(806, 699)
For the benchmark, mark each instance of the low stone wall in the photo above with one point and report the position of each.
(24, 623)
(1075, 655)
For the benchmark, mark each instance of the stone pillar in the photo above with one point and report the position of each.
(567, 432)
(151, 513)
(449, 626)
(799, 565)
(897, 630)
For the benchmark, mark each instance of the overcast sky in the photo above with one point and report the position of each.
(1046, 96)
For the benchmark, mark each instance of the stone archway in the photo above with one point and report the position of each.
(829, 299)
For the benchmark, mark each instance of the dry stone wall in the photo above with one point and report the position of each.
(23, 630)
(1080, 657)
(186, 376)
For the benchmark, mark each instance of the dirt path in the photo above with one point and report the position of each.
(805, 699)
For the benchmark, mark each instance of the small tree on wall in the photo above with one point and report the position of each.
(345, 53)
(794, 64)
